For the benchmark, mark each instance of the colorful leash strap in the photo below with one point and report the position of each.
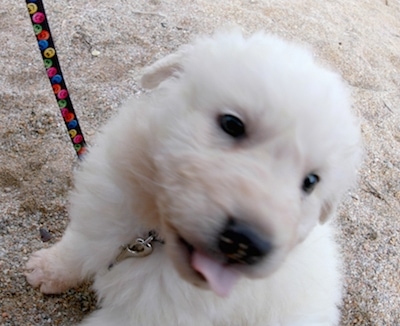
(53, 69)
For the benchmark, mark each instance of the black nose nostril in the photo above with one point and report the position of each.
(241, 244)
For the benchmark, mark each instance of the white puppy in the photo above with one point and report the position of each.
(230, 170)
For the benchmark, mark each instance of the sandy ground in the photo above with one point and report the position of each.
(361, 39)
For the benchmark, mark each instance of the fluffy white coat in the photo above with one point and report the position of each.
(164, 163)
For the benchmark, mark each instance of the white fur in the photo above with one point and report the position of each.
(165, 164)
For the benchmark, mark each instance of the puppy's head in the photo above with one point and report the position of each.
(255, 145)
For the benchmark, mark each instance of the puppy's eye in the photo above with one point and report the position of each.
(232, 125)
(310, 182)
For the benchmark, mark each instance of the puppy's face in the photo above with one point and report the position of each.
(255, 144)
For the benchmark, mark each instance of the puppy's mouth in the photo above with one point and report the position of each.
(218, 275)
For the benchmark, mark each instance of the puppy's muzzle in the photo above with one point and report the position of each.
(237, 249)
(242, 244)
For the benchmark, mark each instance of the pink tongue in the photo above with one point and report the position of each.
(220, 278)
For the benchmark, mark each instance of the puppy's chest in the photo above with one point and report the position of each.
(150, 291)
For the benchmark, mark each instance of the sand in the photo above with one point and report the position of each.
(103, 45)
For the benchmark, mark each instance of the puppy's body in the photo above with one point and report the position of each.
(164, 164)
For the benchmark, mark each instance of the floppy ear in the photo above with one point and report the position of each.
(163, 69)
(327, 209)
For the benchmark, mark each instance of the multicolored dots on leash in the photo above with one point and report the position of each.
(53, 69)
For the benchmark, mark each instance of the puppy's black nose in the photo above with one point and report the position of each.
(241, 244)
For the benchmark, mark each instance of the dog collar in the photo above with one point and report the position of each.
(138, 248)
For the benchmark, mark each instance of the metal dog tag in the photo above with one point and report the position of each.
(139, 248)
